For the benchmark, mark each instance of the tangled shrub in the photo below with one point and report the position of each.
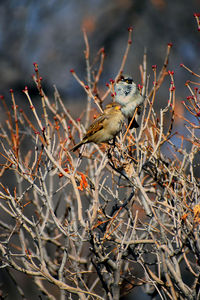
(100, 223)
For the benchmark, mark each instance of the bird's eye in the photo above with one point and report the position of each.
(128, 80)
(125, 79)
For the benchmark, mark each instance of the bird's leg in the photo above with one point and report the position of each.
(109, 154)
(113, 142)
(109, 150)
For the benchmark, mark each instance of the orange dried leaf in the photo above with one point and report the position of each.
(196, 211)
(184, 217)
(83, 182)
(61, 175)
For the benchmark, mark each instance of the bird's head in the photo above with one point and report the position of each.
(124, 88)
(126, 79)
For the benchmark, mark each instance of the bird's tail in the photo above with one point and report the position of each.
(134, 123)
(76, 146)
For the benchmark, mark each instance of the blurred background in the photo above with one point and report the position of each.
(50, 33)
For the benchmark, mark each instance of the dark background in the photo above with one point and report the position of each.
(50, 33)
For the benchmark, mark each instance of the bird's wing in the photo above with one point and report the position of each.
(96, 126)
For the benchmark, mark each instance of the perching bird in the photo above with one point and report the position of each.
(128, 96)
(105, 127)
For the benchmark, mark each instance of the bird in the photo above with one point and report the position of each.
(128, 96)
(105, 127)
